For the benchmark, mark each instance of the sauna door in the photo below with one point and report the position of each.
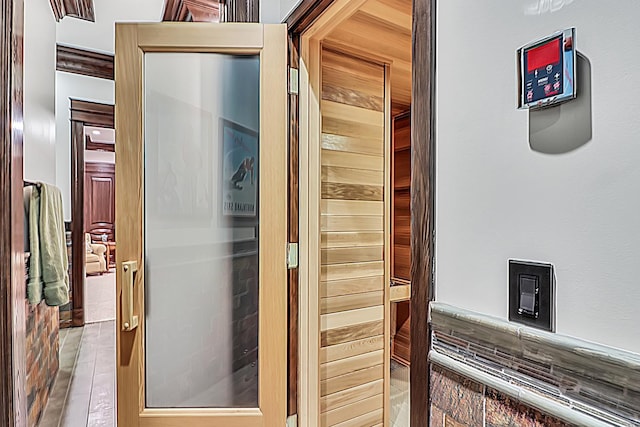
(201, 224)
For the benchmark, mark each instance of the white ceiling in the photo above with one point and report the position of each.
(104, 135)
(99, 157)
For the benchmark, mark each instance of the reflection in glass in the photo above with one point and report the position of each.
(201, 117)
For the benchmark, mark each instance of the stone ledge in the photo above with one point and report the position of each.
(599, 380)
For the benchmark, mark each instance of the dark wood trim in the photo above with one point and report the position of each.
(303, 16)
(81, 9)
(83, 113)
(98, 146)
(292, 402)
(57, 8)
(191, 11)
(176, 10)
(13, 399)
(84, 62)
(240, 11)
(77, 222)
(92, 113)
(100, 167)
(422, 203)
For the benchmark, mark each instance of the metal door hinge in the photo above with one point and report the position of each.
(292, 255)
(293, 81)
(292, 420)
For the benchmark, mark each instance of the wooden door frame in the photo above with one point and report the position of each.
(423, 202)
(423, 188)
(297, 22)
(83, 113)
(293, 223)
(13, 399)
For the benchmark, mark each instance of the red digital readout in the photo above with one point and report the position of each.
(541, 56)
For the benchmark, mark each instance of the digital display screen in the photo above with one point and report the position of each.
(541, 56)
(544, 75)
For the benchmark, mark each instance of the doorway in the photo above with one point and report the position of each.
(358, 226)
(99, 225)
(84, 389)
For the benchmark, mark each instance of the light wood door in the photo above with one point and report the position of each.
(354, 236)
(201, 224)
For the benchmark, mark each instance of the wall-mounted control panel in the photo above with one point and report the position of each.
(547, 70)
(532, 294)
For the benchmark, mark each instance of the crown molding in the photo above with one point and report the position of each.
(191, 11)
(84, 62)
(92, 145)
(81, 9)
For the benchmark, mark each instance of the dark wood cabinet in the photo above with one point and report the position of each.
(99, 200)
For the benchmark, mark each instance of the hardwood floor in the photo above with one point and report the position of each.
(84, 391)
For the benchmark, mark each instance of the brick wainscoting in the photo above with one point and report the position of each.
(42, 357)
(460, 402)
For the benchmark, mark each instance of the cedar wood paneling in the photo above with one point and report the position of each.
(352, 236)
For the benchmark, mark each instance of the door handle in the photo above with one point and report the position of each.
(129, 321)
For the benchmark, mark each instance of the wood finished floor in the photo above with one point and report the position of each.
(84, 391)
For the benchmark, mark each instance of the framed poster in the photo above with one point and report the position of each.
(240, 171)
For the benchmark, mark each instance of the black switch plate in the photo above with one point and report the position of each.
(532, 294)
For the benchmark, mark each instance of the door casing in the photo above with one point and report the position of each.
(307, 23)
(83, 113)
(13, 398)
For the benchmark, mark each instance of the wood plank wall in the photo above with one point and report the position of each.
(352, 303)
(402, 197)
(401, 235)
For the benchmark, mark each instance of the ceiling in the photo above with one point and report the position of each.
(381, 30)
(101, 135)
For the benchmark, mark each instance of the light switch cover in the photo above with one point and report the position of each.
(532, 294)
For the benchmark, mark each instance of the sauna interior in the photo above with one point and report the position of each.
(358, 58)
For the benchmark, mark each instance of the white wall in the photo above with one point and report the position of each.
(275, 11)
(497, 198)
(39, 92)
(287, 6)
(99, 35)
(79, 87)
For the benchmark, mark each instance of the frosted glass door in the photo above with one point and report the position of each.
(201, 219)
(201, 224)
